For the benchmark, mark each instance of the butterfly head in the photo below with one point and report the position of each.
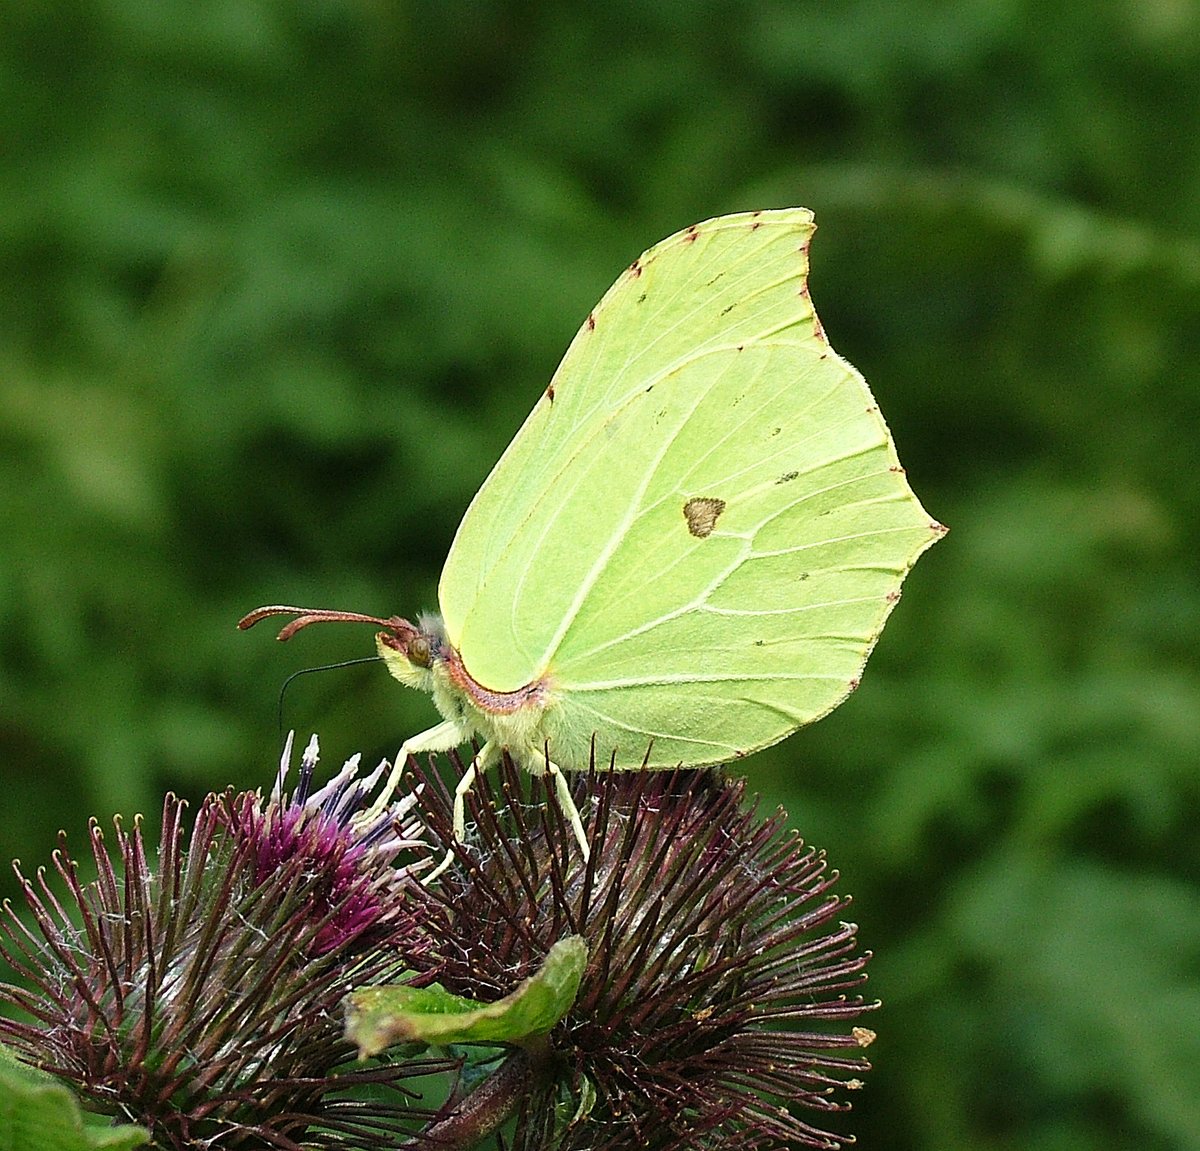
(414, 653)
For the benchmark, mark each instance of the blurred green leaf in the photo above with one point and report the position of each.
(37, 1113)
(1097, 972)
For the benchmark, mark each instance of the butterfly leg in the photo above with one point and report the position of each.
(567, 803)
(443, 737)
(488, 754)
(486, 757)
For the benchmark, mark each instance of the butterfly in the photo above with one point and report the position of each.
(692, 544)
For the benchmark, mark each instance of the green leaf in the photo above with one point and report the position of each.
(37, 1113)
(377, 1017)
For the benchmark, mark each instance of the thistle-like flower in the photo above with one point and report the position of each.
(718, 1004)
(199, 995)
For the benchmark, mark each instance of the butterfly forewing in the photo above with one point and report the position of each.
(523, 556)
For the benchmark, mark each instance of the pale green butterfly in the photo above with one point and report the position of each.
(690, 547)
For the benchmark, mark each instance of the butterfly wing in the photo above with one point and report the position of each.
(700, 529)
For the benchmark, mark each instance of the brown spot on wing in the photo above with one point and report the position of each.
(701, 513)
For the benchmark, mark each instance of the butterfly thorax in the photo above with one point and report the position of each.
(423, 657)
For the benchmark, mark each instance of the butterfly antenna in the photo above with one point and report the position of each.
(305, 616)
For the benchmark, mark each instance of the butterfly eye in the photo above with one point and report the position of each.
(419, 651)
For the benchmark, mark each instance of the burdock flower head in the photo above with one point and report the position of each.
(198, 993)
(717, 1002)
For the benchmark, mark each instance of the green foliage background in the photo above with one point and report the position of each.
(280, 281)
